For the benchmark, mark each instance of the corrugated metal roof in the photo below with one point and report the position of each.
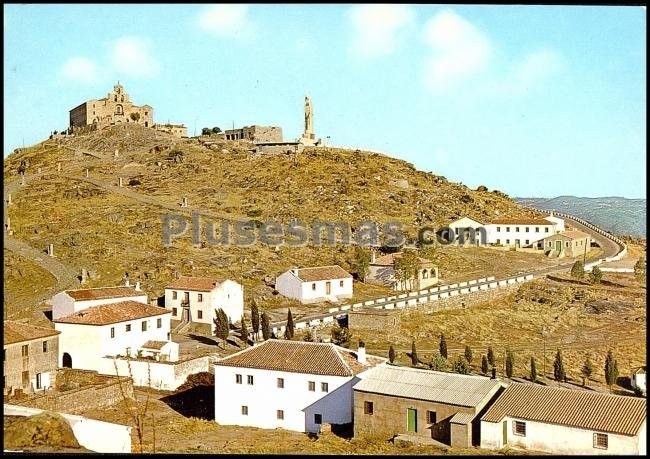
(434, 386)
(570, 407)
(462, 418)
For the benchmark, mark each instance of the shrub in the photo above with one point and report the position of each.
(438, 363)
(578, 270)
(460, 365)
(596, 275)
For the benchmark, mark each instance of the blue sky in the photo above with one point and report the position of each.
(533, 101)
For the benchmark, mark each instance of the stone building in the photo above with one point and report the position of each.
(177, 130)
(30, 356)
(255, 134)
(381, 271)
(567, 244)
(113, 109)
(422, 404)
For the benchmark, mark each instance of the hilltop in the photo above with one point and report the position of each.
(622, 216)
(110, 230)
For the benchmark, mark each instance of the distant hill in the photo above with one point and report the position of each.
(620, 216)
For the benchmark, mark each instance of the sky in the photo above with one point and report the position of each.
(535, 101)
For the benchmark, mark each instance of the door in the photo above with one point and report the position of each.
(186, 297)
(67, 360)
(505, 433)
(411, 420)
(558, 246)
(328, 288)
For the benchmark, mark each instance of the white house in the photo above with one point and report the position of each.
(311, 285)
(511, 232)
(638, 380)
(381, 270)
(293, 385)
(70, 301)
(115, 329)
(195, 299)
(565, 421)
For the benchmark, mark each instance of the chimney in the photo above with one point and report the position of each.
(137, 286)
(361, 352)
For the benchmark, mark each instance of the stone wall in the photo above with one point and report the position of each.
(86, 390)
(469, 299)
(255, 133)
(279, 149)
(373, 319)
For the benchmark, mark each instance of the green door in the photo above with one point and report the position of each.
(411, 420)
(505, 433)
(558, 246)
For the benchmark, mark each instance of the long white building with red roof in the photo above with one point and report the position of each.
(315, 284)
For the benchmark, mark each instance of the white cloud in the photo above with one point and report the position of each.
(132, 56)
(458, 50)
(80, 70)
(376, 28)
(226, 21)
(534, 69)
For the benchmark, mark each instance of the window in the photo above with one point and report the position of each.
(318, 418)
(199, 314)
(432, 418)
(456, 231)
(249, 380)
(312, 386)
(174, 311)
(527, 229)
(44, 346)
(516, 229)
(341, 284)
(519, 428)
(498, 241)
(112, 332)
(313, 286)
(368, 408)
(174, 295)
(128, 327)
(425, 274)
(280, 383)
(159, 323)
(244, 410)
(324, 387)
(200, 297)
(144, 325)
(280, 414)
(507, 241)
(507, 229)
(25, 350)
(498, 229)
(38, 381)
(566, 244)
(600, 441)
(238, 379)
(546, 229)
(537, 229)
(527, 241)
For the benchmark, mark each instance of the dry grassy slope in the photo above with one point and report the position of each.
(111, 234)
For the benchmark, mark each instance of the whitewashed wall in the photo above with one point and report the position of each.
(229, 296)
(64, 305)
(289, 285)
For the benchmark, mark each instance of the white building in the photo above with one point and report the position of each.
(565, 421)
(510, 232)
(70, 301)
(196, 299)
(312, 285)
(293, 385)
(638, 380)
(381, 270)
(115, 329)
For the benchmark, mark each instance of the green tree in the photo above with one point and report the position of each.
(391, 354)
(596, 275)
(309, 336)
(206, 131)
(490, 356)
(266, 326)
(221, 329)
(216, 130)
(414, 354)
(460, 365)
(611, 369)
(135, 116)
(288, 331)
(533, 370)
(578, 270)
(438, 363)
(255, 320)
(361, 262)
(340, 335)
(443, 346)
(510, 363)
(243, 333)
(485, 366)
(406, 269)
(558, 368)
(468, 354)
(587, 370)
(640, 269)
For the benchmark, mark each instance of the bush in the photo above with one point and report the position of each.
(482, 188)
(578, 270)
(438, 363)
(206, 131)
(460, 365)
(596, 275)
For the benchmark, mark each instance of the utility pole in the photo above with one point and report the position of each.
(584, 256)
(544, 339)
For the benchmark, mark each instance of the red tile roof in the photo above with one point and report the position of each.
(18, 332)
(572, 235)
(322, 273)
(157, 345)
(521, 221)
(300, 357)
(389, 260)
(113, 313)
(200, 284)
(570, 407)
(101, 293)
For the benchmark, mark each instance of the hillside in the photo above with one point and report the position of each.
(109, 230)
(622, 216)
